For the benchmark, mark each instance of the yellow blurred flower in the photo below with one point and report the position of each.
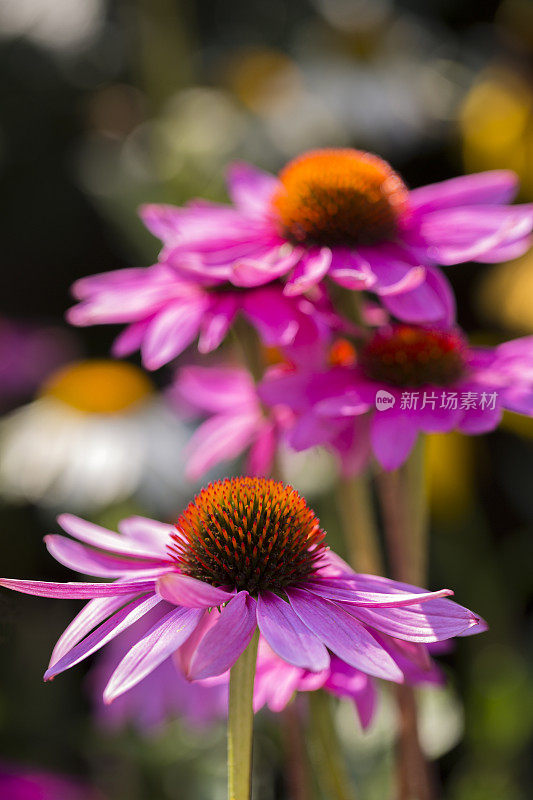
(496, 122)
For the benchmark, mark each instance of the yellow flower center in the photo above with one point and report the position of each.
(339, 197)
(99, 387)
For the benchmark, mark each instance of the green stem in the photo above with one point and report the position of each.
(240, 723)
(403, 499)
(358, 524)
(325, 747)
(250, 346)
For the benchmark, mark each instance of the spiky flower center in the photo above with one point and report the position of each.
(410, 357)
(248, 533)
(339, 197)
(99, 386)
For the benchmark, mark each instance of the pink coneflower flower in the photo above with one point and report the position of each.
(405, 381)
(237, 422)
(166, 310)
(247, 553)
(276, 681)
(347, 214)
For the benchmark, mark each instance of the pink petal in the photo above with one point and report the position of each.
(83, 559)
(148, 533)
(172, 331)
(222, 437)
(309, 271)
(103, 634)
(273, 315)
(393, 436)
(348, 593)
(216, 389)
(288, 636)
(156, 645)
(183, 590)
(506, 252)
(345, 681)
(428, 622)
(217, 323)
(104, 539)
(456, 235)
(94, 612)
(251, 189)
(82, 591)
(131, 338)
(495, 186)
(223, 644)
(161, 220)
(352, 643)
(263, 450)
(265, 266)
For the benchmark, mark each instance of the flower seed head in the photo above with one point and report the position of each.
(407, 356)
(248, 533)
(339, 197)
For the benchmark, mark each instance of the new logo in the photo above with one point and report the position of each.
(384, 400)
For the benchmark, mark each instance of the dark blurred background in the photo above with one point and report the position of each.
(104, 105)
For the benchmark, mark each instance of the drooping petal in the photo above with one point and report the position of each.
(107, 631)
(428, 622)
(263, 450)
(347, 592)
(82, 591)
(224, 643)
(216, 389)
(494, 186)
(453, 236)
(87, 561)
(393, 436)
(222, 437)
(432, 301)
(353, 643)
(182, 590)
(172, 331)
(217, 322)
(103, 539)
(155, 646)
(288, 636)
(94, 612)
(131, 338)
(345, 681)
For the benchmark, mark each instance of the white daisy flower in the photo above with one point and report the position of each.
(97, 434)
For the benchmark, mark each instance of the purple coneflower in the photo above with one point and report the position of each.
(404, 381)
(166, 310)
(346, 214)
(250, 552)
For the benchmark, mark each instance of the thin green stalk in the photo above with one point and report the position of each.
(325, 748)
(358, 524)
(240, 723)
(417, 512)
(297, 764)
(404, 507)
